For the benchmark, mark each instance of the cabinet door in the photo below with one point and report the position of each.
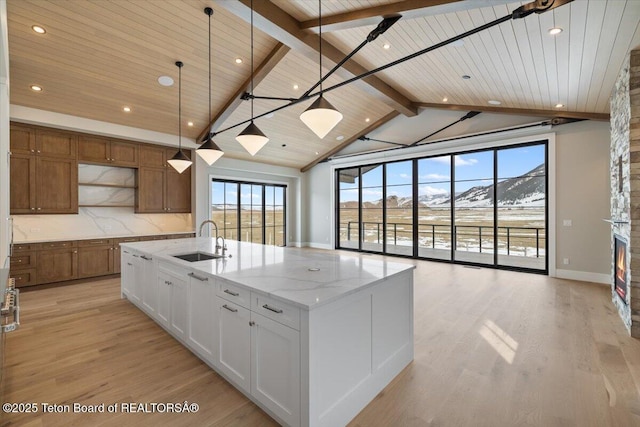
(57, 265)
(22, 183)
(233, 353)
(275, 367)
(124, 153)
(201, 311)
(56, 144)
(56, 185)
(128, 274)
(117, 259)
(136, 283)
(95, 261)
(94, 149)
(179, 318)
(149, 286)
(152, 156)
(178, 191)
(164, 284)
(22, 139)
(150, 194)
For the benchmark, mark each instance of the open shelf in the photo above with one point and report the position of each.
(106, 206)
(88, 184)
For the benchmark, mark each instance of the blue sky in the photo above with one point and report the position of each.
(248, 194)
(434, 174)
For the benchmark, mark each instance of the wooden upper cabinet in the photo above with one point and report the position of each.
(178, 191)
(56, 185)
(22, 183)
(52, 143)
(124, 153)
(94, 149)
(150, 194)
(152, 156)
(22, 139)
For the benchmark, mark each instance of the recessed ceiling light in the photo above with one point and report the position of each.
(317, 153)
(466, 77)
(386, 46)
(189, 123)
(494, 102)
(367, 120)
(126, 109)
(269, 116)
(165, 81)
(555, 31)
(559, 105)
(38, 29)
(445, 99)
(340, 137)
(36, 88)
(238, 60)
(295, 87)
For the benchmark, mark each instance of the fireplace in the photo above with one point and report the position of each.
(620, 267)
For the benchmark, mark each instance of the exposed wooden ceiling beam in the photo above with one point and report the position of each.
(350, 140)
(261, 71)
(283, 27)
(409, 9)
(519, 111)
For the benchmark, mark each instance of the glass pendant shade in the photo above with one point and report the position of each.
(180, 162)
(209, 151)
(252, 139)
(321, 117)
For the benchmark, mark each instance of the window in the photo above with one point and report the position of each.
(485, 207)
(249, 211)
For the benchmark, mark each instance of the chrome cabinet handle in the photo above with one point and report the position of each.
(195, 276)
(251, 323)
(136, 256)
(144, 257)
(166, 282)
(234, 310)
(129, 263)
(227, 291)
(275, 310)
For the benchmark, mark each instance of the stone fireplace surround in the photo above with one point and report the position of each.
(625, 185)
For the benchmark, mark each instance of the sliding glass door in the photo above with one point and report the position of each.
(486, 207)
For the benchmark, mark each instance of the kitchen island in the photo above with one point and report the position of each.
(311, 337)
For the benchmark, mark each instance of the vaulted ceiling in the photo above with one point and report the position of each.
(98, 56)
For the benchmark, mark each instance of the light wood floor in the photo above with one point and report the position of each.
(492, 348)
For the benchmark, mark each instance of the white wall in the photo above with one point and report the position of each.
(4, 137)
(581, 190)
(227, 168)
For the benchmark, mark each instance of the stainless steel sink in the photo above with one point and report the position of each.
(197, 256)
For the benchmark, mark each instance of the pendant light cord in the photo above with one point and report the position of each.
(252, 60)
(209, 66)
(320, 35)
(179, 64)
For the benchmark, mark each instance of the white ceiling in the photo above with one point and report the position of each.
(98, 56)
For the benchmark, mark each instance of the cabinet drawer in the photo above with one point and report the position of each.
(23, 260)
(22, 247)
(57, 245)
(95, 242)
(127, 240)
(234, 293)
(276, 310)
(24, 277)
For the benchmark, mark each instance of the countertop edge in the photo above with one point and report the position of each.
(103, 236)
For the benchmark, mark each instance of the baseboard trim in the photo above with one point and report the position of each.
(584, 276)
(317, 245)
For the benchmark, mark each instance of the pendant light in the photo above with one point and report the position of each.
(180, 162)
(209, 151)
(321, 116)
(252, 138)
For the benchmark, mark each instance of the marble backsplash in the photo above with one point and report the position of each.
(97, 222)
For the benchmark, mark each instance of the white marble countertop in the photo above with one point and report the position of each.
(303, 277)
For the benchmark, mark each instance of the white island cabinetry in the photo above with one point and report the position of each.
(310, 337)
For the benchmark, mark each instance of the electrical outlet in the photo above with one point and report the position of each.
(565, 261)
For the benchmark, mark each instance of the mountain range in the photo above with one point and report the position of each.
(527, 190)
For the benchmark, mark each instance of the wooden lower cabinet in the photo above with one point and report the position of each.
(95, 258)
(58, 264)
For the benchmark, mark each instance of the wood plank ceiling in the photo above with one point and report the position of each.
(98, 56)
